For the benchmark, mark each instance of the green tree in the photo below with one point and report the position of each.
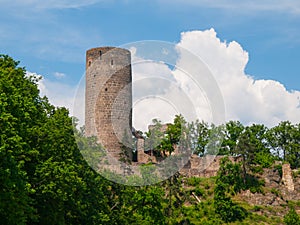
(258, 138)
(92, 151)
(175, 198)
(154, 136)
(284, 141)
(20, 108)
(43, 178)
(176, 129)
(280, 138)
(230, 175)
(258, 135)
(137, 205)
(216, 136)
(246, 149)
(232, 132)
(61, 175)
(165, 142)
(174, 135)
(199, 136)
(294, 154)
(228, 182)
(292, 218)
(297, 142)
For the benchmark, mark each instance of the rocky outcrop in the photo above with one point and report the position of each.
(277, 191)
(262, 199)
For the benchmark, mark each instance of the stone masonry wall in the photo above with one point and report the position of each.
(287, 177)
(108, 97)
(207, 166)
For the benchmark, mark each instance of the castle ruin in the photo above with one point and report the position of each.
(108, 113)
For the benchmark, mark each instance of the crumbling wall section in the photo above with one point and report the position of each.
(207, 166)
(287, 177)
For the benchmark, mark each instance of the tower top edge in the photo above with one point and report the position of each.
(105, 49)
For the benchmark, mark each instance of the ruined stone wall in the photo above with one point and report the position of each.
(287, 177)
(207, 166)
(142, 157)
(163, 128)
(108, 102)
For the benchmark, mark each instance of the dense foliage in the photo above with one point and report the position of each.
(258, 145)
(44, 178)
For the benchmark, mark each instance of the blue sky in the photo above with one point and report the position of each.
(50, 37)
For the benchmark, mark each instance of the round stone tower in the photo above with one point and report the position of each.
(108, 101)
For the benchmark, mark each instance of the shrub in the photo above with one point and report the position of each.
(194, 181)
(292, 218)
(200, 192)
(257, 208)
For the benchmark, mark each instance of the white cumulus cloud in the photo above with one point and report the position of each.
(246, 99)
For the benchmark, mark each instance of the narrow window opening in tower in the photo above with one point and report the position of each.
(105, 89)
(100, 54)
(112, 62)
(90, 62)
